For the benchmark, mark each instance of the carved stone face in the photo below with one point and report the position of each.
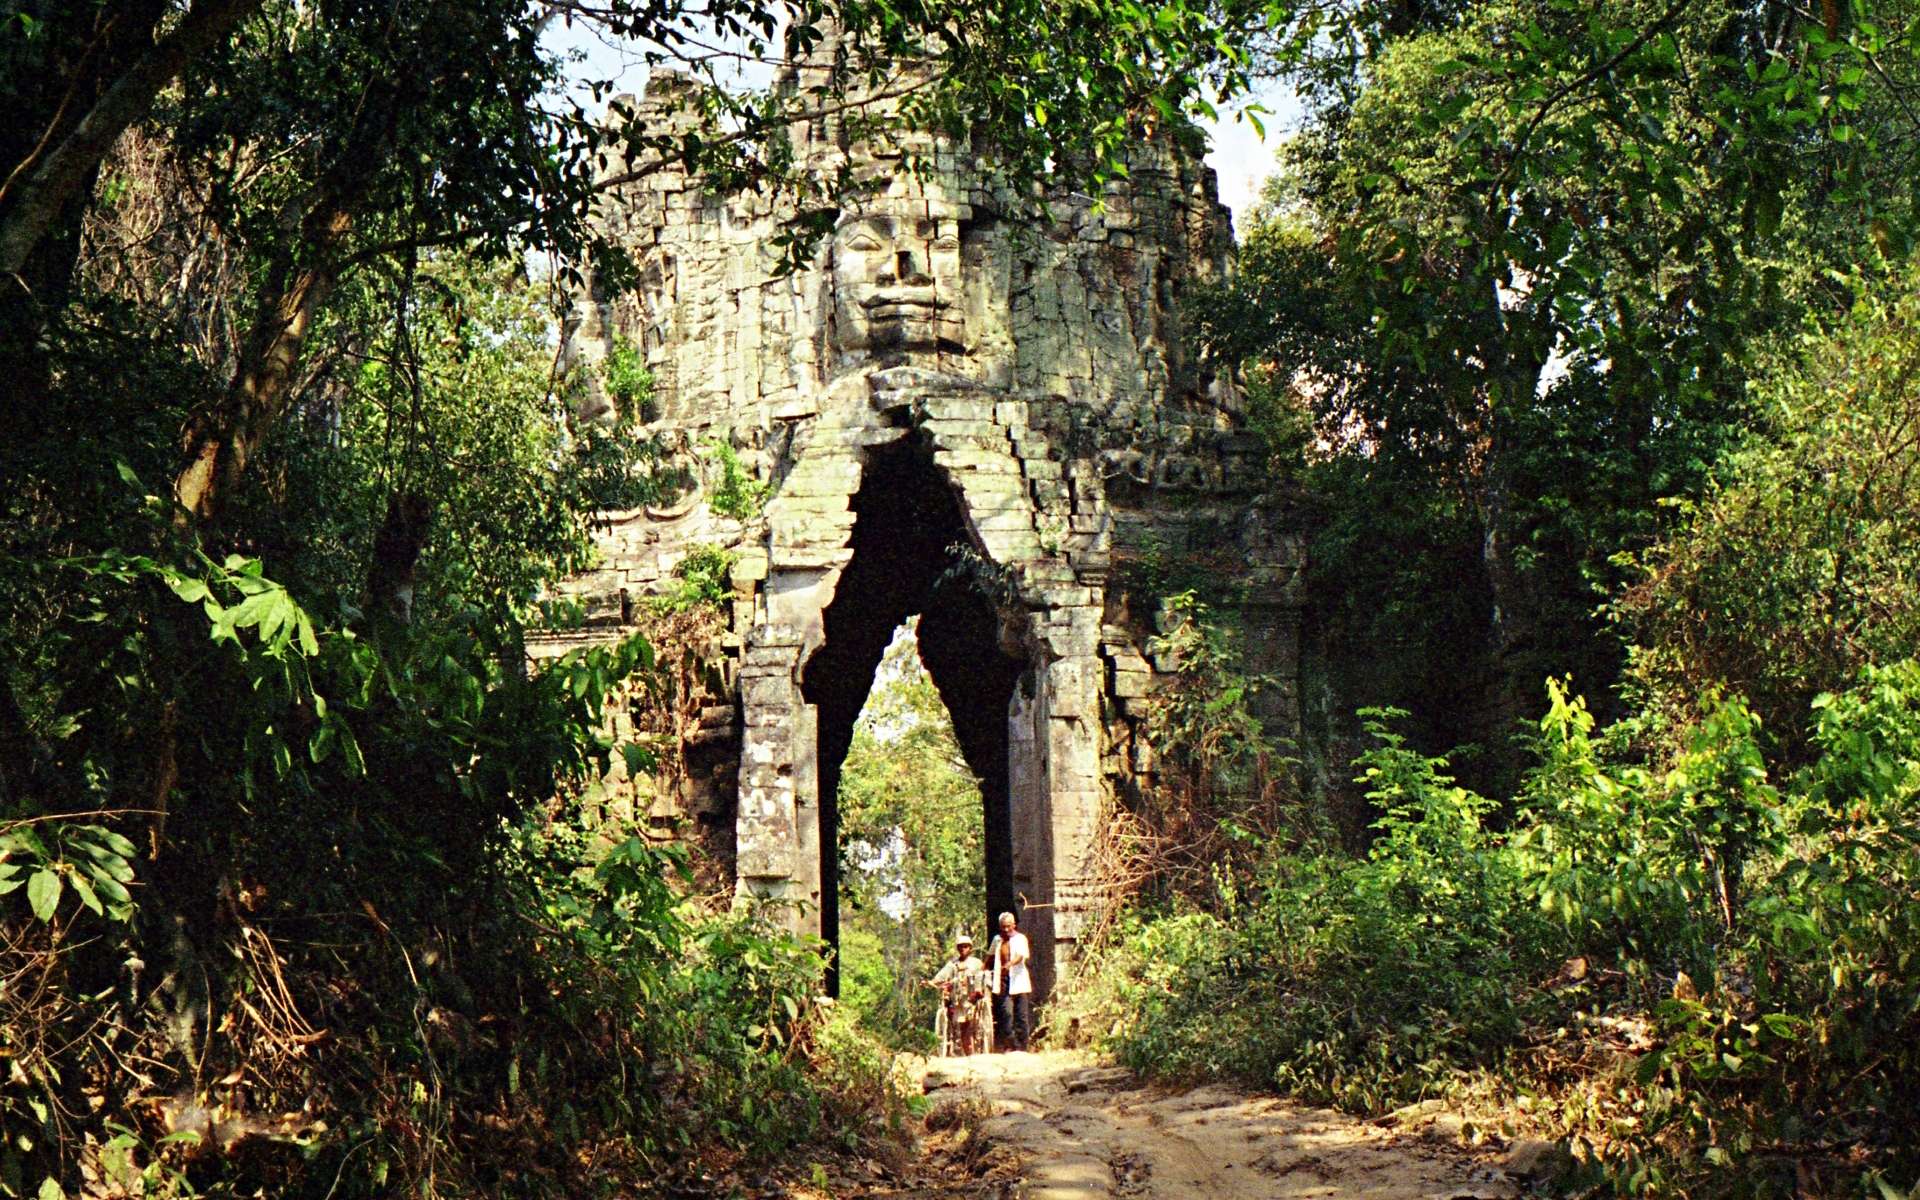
(898, 288)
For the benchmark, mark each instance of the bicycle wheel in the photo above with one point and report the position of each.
(940, 1036)
(983, 1021)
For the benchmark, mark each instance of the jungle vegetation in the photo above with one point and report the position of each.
(301, 892)
(1585, 333)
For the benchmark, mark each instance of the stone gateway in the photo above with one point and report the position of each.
(956, 412)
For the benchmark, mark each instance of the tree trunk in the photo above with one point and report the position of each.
(218, 443)
(56, 80)
(1514, 381)
(396, 555)
(32, 199)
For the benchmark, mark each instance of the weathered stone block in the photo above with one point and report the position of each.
(762, 692)
(1010, 546)
(970, 414)
(750, 567)
(1002, 519)
(977, 460)
(1131, 684)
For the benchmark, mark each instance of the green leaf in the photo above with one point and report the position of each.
(350, 747)
(43, 893)
(50, 1189)
(192, 590)
(118, 844)
(85, 891)
(639, 759)
(253, 610)
(113, 889)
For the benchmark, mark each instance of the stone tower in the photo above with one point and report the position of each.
(960, 412)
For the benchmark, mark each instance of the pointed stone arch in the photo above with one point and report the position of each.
(864, 534)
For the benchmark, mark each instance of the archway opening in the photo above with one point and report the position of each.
(912, 836)
(907, 528)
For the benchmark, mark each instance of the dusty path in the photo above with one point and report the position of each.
(1056, 1127)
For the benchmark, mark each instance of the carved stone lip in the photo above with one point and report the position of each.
(911, 301)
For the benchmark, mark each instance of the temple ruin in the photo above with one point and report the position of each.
(957, 411)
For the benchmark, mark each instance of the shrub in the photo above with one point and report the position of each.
(736, 494)
(1798, 569)
(706, 578)
(1359, 981)
(1765, 935)
(629, 382)
(1809, 1038)
(457, 985)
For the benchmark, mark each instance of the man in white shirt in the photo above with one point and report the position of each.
(1012, 982)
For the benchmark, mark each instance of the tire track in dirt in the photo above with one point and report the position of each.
(1080, 1131)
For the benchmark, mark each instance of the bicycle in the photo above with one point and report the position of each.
(943, 1034)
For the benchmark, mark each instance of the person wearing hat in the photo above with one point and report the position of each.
(962, 982)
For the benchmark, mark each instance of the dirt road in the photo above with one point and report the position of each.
(1053, 1126)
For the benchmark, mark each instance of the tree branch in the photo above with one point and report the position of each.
(43, 193)
(1590, 75)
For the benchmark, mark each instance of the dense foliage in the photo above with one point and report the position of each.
(297, 890)
(1684, 942)
(1797, 568)
(1703, 977)
(302, 891)
(1586, 333)
(1506, 294)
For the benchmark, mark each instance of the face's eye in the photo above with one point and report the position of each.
(861, 243)
(947, 245)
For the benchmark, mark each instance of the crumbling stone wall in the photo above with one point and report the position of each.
(1032, 374)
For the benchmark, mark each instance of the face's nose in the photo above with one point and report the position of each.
(909, 272)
